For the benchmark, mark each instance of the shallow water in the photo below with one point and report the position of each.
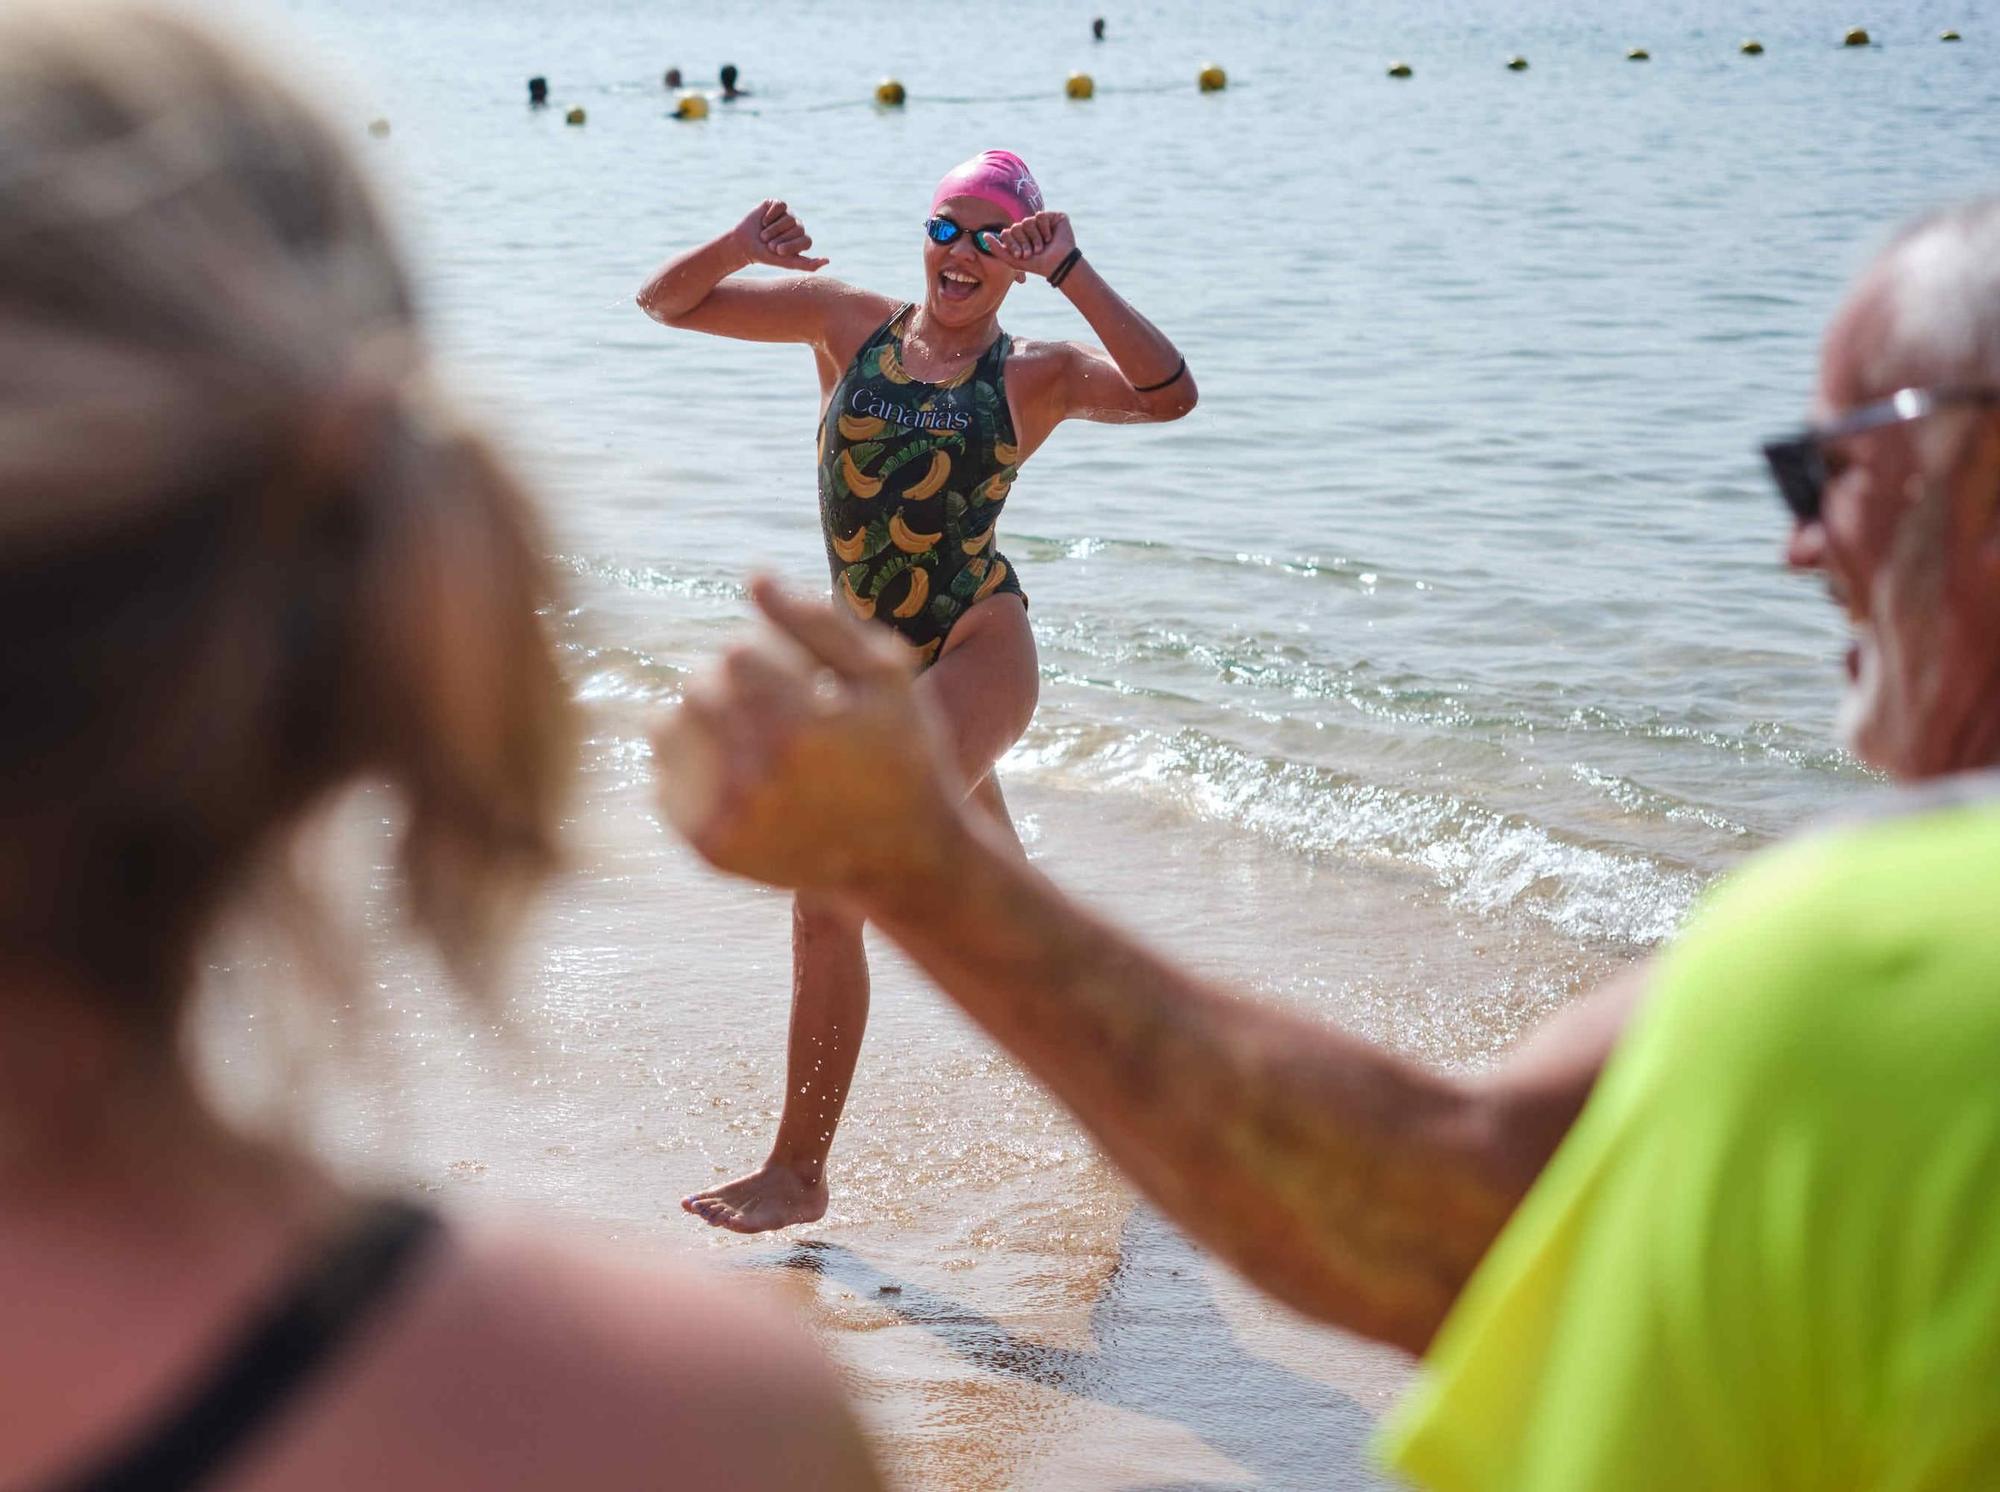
(1428, 671)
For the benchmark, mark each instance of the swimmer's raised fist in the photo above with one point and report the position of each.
(771, 235)
(808, 759)
(1037, 244)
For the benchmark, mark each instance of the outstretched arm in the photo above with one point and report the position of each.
(1138, 375)
(1357, 1186)
(695, 290)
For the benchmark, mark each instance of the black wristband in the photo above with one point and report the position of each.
(1061, 271)
(1180, 372)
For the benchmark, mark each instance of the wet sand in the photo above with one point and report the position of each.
(1006, 1313)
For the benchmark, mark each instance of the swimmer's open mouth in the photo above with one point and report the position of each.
(952, 285)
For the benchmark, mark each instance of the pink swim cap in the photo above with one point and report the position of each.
(997, 176)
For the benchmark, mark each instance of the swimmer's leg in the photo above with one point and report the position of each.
(985, 683)
(829, 1013)
(987, 796)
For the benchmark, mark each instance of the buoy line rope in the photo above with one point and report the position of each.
(891, 93)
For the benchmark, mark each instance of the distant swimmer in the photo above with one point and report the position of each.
(730, 92)
(1097, 28)
(673, 78)
(928, 409)
(538, 92)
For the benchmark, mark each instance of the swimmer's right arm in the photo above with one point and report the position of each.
(696, 290)
(1358, 1186)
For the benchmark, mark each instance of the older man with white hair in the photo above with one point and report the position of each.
(1734, 1222)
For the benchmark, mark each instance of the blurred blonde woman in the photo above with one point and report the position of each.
(247, 558)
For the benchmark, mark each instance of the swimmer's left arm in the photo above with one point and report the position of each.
(1138, 376)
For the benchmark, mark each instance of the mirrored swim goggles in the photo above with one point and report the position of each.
(945, 231)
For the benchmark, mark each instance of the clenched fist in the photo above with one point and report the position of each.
(1037, 244)
(807, 759)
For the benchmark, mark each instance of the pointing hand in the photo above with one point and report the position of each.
(771, 235)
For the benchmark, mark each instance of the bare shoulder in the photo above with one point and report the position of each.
(1052, 381)
(1038, 373)
(1060, 373)
(662, 1358)
(635, 1312)
(1038, 359)
(530, 1362)
(852, 315)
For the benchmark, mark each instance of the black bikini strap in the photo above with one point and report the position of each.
(995, 355)
(292, 1337)
(887, 330)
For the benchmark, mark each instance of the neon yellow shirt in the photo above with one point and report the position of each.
(1768, 1254)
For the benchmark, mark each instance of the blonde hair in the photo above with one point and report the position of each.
(248, 553)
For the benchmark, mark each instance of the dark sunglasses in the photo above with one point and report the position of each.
(1798, 462)
(945, 231)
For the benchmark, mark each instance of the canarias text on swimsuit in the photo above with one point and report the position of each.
(876, 407)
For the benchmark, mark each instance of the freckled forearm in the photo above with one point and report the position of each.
(1352, 1184)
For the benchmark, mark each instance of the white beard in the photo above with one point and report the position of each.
(1861, 704)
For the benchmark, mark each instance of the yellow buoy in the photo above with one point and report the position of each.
(691, 106)
(1856, 37)
(1079, 86)
(378, 127)
(1949, 36)
(1400, 70)
(1212, 78)
(1638, 54)
(889, 93)
(1752, 49)
(1517, 64)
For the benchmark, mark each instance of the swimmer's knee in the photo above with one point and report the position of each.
(998, 621)
(814, 915)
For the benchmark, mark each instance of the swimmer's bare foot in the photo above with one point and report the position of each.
(773, 1196)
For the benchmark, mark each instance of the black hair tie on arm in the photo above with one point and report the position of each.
(1061, 271)
(1180, 372)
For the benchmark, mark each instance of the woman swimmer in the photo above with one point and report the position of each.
(928, 411)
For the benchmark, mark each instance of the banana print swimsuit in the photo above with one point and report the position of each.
(912, 477)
